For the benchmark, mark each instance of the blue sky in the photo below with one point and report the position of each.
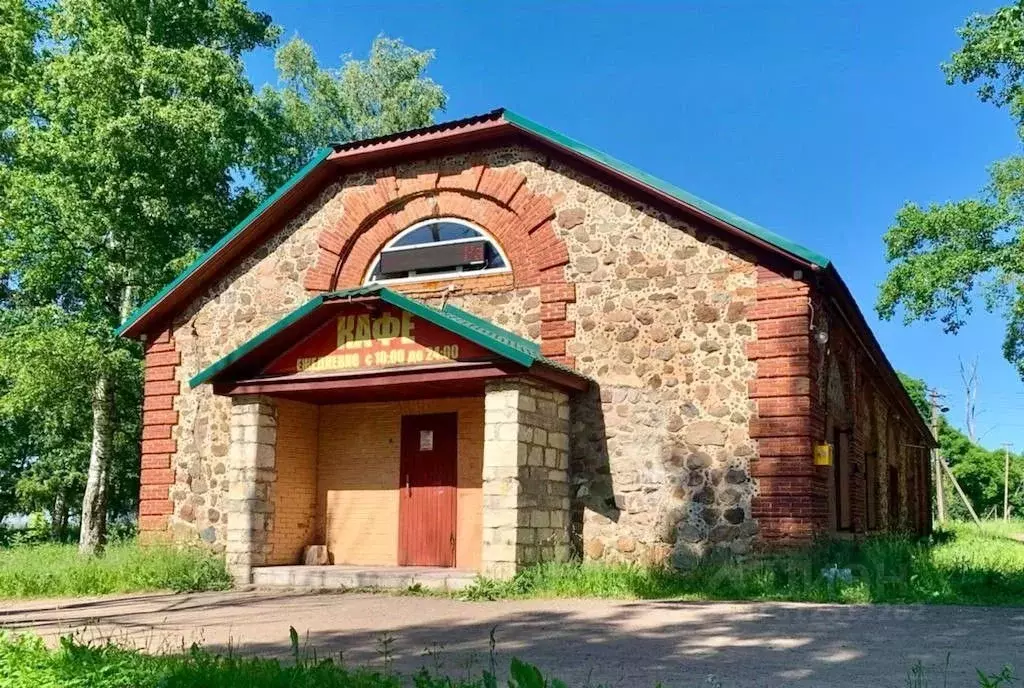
(817, 119)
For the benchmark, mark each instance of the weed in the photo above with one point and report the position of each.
(25, 662)
(50, 570)
(961, 565)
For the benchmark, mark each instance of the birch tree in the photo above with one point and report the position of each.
(120, 164)
(130, 140)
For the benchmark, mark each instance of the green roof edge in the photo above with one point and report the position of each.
(440, 319)
(318, 157)
(487, 325)
(639, 175)
(542, 132)
(418, 308)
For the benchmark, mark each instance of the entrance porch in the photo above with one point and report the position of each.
(386, 433)
(475, 484)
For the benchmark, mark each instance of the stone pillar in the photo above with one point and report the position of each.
(525, 476)
(251, 473)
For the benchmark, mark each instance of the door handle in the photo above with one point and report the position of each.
(408, 486)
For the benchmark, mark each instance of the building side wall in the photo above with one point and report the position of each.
(294, 524)
(848, 392)
(358, 479)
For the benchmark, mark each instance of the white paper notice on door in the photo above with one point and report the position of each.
(426, 440)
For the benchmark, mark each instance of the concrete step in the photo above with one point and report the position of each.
(349, 577)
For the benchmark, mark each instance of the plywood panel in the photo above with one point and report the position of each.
(358, 483)
(295, 500)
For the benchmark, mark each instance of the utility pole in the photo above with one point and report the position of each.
(940, 500)
(960, 491)
(1006, 481)
(969, 376)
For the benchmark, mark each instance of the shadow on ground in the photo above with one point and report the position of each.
(583, 641)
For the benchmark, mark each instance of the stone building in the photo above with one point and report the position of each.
(483, 344)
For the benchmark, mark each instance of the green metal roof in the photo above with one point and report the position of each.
(522, 123)
(639, 175)
(457, 321)
(318, 158)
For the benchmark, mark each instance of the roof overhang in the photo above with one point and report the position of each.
(250, 369)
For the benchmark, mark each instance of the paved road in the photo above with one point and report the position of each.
(587, 642)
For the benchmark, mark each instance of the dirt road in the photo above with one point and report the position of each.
(586, 642)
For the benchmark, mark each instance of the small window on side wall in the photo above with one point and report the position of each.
(436, 249)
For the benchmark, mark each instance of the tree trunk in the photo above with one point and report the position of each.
(94, 504)
(59, 517)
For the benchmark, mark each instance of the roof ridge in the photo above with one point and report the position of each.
(491, 115)
(503, 117)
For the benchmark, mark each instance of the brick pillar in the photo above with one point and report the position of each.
(251, 473)
(159, 419)
(525, 476)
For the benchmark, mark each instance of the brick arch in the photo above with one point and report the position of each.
(496, 199)
(500, 222)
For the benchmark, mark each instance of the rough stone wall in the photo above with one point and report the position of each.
(661, 448)
(655, 311)
(525, 476)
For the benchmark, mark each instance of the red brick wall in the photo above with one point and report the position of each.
(158, 420)
(785, 505)
(871, 403)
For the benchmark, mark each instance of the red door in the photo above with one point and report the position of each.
(426, 507)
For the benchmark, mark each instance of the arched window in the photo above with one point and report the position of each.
(435, 249)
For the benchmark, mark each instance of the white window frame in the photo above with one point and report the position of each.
(432, 276)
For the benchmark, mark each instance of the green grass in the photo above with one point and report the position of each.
(25, 662)
(54, 570)
(958, 565)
